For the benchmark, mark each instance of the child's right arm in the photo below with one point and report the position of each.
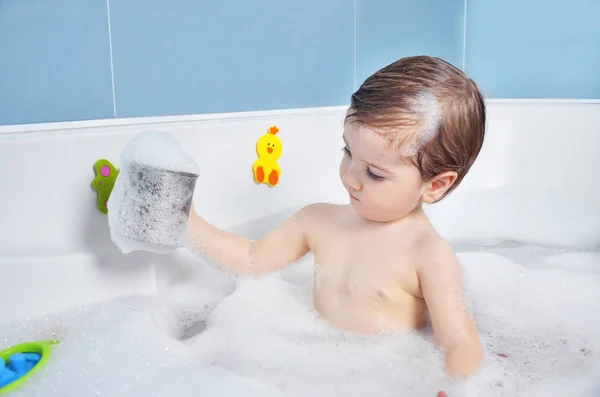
(237, 254)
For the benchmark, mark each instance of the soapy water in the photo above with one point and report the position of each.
(535, 308)
(151, 198)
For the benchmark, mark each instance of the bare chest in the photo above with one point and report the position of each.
(365, 267)
(366, 287)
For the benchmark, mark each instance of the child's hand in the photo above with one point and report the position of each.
(192, 212)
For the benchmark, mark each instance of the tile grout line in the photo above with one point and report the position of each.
(112, 72)
(354, 76)
(464, 49)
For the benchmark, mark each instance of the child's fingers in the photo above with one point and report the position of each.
(192, 209)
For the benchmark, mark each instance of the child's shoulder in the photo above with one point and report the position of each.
(320, 209)
(435, 251)
(317, 215)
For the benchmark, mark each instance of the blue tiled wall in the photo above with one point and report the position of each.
(218, 56)
(196, 56)
(54, 61)
(534, 48)
(390, 29)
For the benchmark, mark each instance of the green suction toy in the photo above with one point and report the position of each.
(18, 363)
(103, 183)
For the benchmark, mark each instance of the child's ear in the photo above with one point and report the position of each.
(438, 186)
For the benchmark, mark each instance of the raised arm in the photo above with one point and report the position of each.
(237, 254)
(453, 329)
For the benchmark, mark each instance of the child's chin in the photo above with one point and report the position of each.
(363, 212)
(372, 216)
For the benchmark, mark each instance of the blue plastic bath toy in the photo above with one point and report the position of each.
(17, 363)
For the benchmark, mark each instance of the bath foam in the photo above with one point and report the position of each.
(160, 150)
(534, 308)
(150, 201)
(429, 117)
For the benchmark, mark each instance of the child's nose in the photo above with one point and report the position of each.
(350, 180)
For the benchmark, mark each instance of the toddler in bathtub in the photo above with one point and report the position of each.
(413, 130)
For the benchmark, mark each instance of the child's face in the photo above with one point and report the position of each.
(382, 184)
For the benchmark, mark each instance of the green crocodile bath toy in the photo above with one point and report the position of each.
(106, 174)
(18, 363)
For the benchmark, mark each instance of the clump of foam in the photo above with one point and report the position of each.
(160, 150)
(151, 199)
(429, 116)
(534, 308)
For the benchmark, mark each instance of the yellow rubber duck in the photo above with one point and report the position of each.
(268, 148)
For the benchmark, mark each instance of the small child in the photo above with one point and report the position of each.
(412, 132)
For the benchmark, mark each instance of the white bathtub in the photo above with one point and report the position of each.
(536, 178)
(536, 181)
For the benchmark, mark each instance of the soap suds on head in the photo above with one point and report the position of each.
(428, 114)
(150, 202)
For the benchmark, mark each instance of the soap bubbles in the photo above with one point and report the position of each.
(151, 199)
(214, 335)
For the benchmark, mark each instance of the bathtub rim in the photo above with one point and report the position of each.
(91, 124)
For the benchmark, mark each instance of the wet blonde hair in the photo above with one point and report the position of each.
(429, 109)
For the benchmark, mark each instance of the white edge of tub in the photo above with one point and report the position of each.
(537, 172)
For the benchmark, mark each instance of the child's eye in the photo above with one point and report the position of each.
(373, 176)
(346, 151)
